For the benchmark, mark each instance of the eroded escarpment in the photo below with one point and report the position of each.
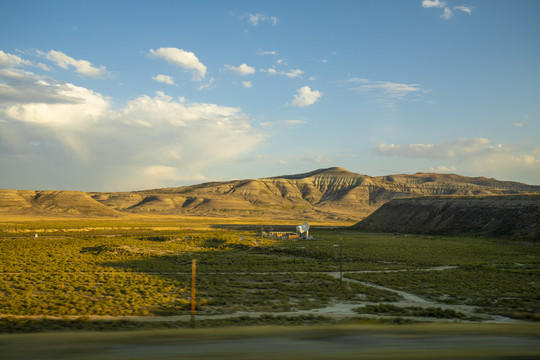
(515, 216)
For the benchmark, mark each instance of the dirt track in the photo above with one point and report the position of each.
(337, 310)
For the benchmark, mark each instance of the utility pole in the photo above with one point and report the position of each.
(193, 275)
(340, 260)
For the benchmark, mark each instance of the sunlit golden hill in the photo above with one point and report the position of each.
(325, 194)
(332, 194)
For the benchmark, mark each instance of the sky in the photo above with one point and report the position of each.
(131, 95)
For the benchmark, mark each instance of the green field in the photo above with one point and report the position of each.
(135, 274)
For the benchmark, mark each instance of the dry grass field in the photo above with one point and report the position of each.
(87, 277)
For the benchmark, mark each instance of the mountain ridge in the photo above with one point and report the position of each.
(328, 194)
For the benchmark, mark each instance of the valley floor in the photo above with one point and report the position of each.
(134, 274)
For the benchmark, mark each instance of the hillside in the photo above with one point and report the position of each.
(332, 194)
(71, 203)
(516, 216)
(324, 194)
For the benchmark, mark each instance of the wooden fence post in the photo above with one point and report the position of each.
(193, 284)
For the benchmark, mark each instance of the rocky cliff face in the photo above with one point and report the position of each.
(516, 216)
(324, 194)
(320, 195)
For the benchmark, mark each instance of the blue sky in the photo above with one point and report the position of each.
(125, 95)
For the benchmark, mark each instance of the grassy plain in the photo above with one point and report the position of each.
(135, 273)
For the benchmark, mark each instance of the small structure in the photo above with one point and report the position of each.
(302, 232)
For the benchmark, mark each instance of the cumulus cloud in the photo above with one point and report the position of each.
(80, 107)
(240, 70)
(83, 67)
(185, 59)
(150, 141)
(19, 86)
(166, 79)
(442, 150)
(305, 97)
(255, 19)
(247, 84)
(31, 98)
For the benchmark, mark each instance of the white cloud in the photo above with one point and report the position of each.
(149, 141)
(43, 67)
(207, 85)
(507, 166)
(34, 99)
(271, 124)
(166, 79)
(13, 61)
(241, 70)
(83, 67)
(443, 169)
(473, 157)
(356, 80)
(433, 3)
(385, 92)
(255, 19)
(305, 97)
(247, 84)
(518, 123)
(294, 73)
(466, 9)
(185, 59)
(294, 122)
(10, 60)
(318, 159)
(445, 149)
(19, 86)
(156, 174)
(447, 14)
(291, 73)
(267, 52)
(394, 90)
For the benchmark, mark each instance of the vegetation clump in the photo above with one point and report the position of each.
(119, 269)
(416, 311)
